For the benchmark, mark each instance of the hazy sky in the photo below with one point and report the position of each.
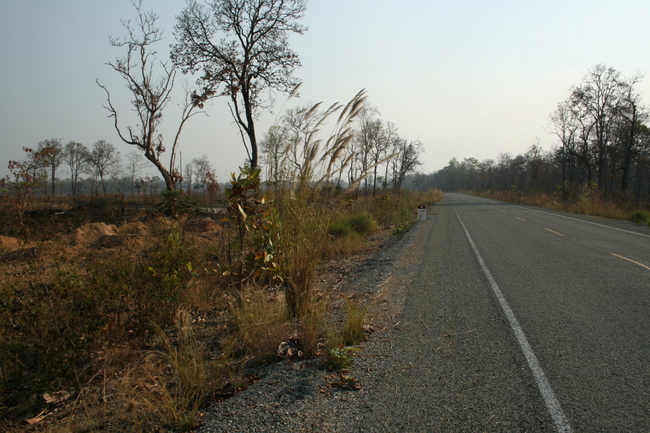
(469, 78)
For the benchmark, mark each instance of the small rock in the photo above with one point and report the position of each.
(56, 397)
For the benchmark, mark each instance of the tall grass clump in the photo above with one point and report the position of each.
(304, 163)
(177, 377)
(341, 344)
(258, 323)
(360, 223)
(640, 217)
(301, 239)
(352, 331)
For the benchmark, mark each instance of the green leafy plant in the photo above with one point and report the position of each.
(256, 234)
(341, 358)
(339, 229)
(176, 203)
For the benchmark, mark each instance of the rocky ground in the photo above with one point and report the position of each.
(305, 396)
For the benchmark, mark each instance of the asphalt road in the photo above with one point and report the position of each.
(520, 319)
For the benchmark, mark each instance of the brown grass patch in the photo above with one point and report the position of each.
(144, 323)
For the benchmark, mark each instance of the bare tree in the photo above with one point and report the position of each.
(151, 95)
(273, 154)
(203, 173)
(242, 45)
(407, 160)
(534, 162)
(28, 177)
(135, 163)
(368, 136)
(565, 127)
(188, 177)
(389, 138)
(597, 98)
(52, 152)
(77, 157)
(632, 114)
(102, 158)
(486, 168)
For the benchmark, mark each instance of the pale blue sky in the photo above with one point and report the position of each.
(469, 78)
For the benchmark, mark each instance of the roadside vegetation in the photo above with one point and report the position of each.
(132, 312)
(129, 301)
(137, 320)
(585, 201)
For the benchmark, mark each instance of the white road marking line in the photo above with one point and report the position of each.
(552, 403)
(630, 260)
(583, 221)
(520, 219)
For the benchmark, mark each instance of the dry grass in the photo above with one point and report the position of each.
(258, 323)
(352, 331)
(585, 200)
(144, 327)
(179, 376)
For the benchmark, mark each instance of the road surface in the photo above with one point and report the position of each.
(520, 319)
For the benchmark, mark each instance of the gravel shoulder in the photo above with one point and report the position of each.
(299, 396)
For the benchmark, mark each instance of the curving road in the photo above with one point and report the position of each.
(520, 319)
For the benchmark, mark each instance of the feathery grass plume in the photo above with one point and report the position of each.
(340, 138)
(308, 159)
(303, 147)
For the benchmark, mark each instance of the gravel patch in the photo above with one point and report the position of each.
(300, 396)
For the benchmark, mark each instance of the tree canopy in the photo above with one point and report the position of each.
(241, 46)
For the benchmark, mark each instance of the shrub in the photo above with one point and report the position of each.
(359, 223)
(176, 203)
(46, 333)
(362, 224)
(148, 289)
(51, 323)
(339, 229)
(641, 217)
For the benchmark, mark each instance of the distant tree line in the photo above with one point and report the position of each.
(603, 144)
(239, 49)
(73, 169)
